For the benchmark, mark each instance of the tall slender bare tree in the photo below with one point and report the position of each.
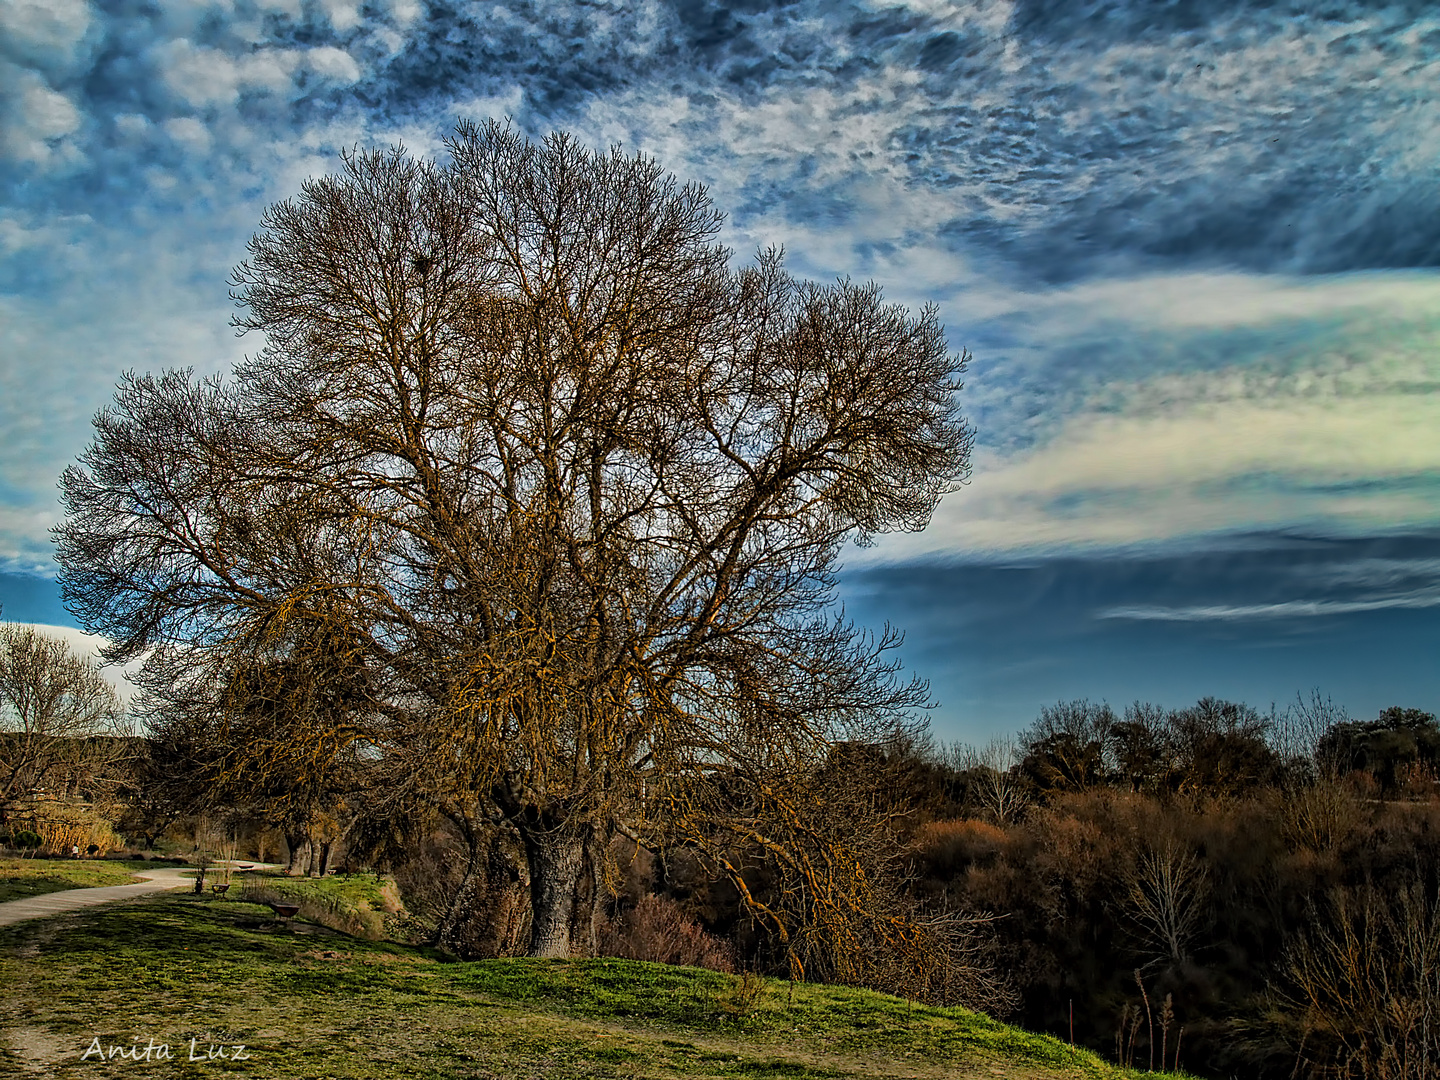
(572, 488)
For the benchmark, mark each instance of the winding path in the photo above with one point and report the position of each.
(56, 903)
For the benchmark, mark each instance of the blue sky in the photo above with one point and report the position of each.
(1193, 247)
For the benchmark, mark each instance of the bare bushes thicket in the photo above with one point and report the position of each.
(429, 876)
(657, 929)
(1362, 985)
(944, 846)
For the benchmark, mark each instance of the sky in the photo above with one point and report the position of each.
(1192, 246)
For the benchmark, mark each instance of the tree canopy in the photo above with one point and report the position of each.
(560, 492)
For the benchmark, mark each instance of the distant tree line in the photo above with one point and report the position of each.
(1267, 882)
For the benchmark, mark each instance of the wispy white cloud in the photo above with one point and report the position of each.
(343, 14)
(203, 76)
(46, 34)
(1113, 480)
(190, 133)
(36, 121)
(1314, 403)
(1220, 300)
(1288, 609)
(335, 65)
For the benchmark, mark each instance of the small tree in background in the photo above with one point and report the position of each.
(996, 783)
(61, 723)
(1165, 900)
(1064, 750)
(1387, 747)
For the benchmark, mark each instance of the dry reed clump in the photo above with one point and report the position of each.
(1362, 982)
(657, 929)
(62, 827)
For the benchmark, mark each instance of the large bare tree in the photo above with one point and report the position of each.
(572, 489)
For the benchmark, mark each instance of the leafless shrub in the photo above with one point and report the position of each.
(996, 783)
(1165, 892)
(1298, 732)
(1364, 981)
(657, 929)
(947, 846)
(1321, 816)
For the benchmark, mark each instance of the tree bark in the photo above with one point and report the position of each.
(584, 917)
(487, 916)
(556, 857)
(455, 932)
(293, 843)
(325, 847)
(507, 895)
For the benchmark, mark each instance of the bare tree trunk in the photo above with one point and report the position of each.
(487, 915)
(556, 857)
(507, 896)
(294, 841)
(325, 847)
(585, 916)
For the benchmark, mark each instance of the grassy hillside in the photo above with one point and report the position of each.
(20, 878)
(362, 904)
(309, 1002)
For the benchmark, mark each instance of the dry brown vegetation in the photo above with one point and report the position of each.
(1265, 884)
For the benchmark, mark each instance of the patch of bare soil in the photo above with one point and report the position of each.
(35, 1050)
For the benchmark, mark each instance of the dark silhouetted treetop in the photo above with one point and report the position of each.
(1384, 746)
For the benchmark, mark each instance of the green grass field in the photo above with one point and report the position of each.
(20, 878)
(307, 1002)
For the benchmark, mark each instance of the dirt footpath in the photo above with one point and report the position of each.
(56, 903)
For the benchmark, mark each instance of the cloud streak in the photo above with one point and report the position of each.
(1290, 609)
